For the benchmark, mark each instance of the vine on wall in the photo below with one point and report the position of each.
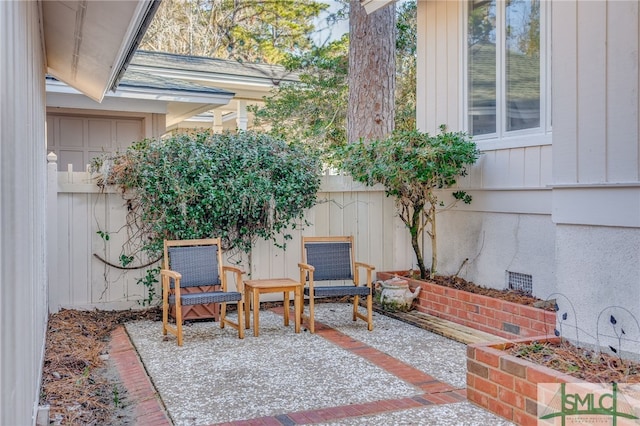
(240, 187)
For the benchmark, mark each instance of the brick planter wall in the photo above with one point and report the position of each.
(494, 316)
(507, 385)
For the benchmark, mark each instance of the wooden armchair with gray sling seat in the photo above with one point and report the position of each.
(190, 263)
(332, 259)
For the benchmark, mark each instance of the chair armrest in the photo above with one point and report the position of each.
(365, 265)
(306, 266)
(239, 282)
(306, 275)
(232, 269)
(369, 269)
(165, 276)
(171, 274)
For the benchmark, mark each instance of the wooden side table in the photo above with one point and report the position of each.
(272, 285)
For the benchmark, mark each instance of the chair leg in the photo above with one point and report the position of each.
(312, 321)
(356, 300)
(223, 314)
(179, 323)
(165, 314)
(370, 312)
(241, 309)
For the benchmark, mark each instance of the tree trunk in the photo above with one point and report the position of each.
(371, 112)
(432, 234)
(413, 222)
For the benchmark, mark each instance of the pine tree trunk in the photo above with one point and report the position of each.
(372, 69)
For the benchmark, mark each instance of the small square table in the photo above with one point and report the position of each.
(272, 285)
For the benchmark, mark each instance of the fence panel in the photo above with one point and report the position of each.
(85, 282)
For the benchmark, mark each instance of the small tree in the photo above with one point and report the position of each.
(412, 165)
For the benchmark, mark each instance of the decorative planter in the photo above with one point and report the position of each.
(198, 312)
(498, 317)
(507, 385)
(396, 293)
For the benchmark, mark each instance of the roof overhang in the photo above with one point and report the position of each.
(371, 6)
(177, 103)
(88, 43)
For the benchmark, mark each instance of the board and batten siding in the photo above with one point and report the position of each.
(23, 178)
(596, 143)
(439, 65)
(510, 183)
(80, 280)
(596, 163)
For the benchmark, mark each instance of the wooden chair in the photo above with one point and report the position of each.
(191, 263)
(332, 259)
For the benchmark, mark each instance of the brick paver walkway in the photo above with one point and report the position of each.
(150, 410)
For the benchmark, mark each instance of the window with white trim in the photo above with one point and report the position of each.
(506, 68)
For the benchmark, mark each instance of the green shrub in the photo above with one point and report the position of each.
(239, 187)
(412, 165)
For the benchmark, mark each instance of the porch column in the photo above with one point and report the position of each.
(217, 121)
(242, 119)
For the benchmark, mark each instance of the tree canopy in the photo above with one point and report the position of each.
(246, 30)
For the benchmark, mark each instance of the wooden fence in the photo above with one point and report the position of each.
(79, 210)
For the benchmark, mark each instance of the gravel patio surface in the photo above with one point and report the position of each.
(216, 377)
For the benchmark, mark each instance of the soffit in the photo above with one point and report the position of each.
(88, 42)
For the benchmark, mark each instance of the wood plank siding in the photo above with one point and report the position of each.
(596, 138)
(596, 95)
(23, 179)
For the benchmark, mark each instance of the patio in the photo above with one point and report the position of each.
(343, 374)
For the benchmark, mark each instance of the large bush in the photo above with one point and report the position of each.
(239, 187)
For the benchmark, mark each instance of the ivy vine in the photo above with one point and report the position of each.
(237, 186)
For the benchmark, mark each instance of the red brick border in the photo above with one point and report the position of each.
(435, 392)
(150, 411)
(498, 317)
(507, 385)
(141, 393)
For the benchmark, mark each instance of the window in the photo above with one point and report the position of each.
(505, 67)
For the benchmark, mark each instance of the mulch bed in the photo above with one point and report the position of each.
(74, 382)
(585, 364)
(79, 392)
(458, 283)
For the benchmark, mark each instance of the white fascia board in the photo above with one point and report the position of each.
(81, 101)
(239, 80)
(149, 94)
(172, 96)
(130, 40)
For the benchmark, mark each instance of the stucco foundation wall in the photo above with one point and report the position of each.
(599, 267)
(495, 243)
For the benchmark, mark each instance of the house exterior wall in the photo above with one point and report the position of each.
(596, 162)
(564, 207)
(23, 279)
(511, 209)
(76, 136)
